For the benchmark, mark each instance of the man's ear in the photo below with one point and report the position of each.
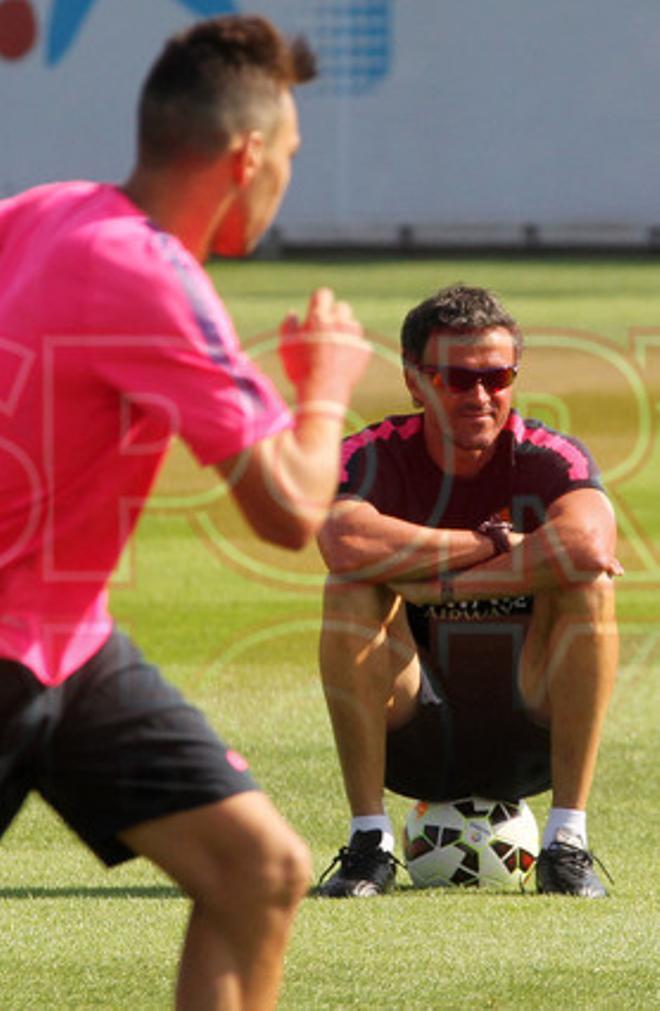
(247, 156)
(410, 377)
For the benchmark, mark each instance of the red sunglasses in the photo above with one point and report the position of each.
(460, 380)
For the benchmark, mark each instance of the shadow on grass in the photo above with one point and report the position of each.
(408, 891)
(93, 892)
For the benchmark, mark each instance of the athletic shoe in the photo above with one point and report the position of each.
(565, 868)
(364, 869)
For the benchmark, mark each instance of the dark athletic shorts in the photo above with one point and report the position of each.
(471, 734)
(113, 746)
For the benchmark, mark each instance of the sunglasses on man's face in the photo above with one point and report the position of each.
(460, 380)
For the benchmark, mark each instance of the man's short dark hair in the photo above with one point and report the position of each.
(222, 77)
(458, 311)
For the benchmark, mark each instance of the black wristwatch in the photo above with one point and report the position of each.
(497, 531)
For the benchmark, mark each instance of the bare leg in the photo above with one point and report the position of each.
(567, 676)
(371, 676)
(246, 872)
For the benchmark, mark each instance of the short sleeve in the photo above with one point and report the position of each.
(375, 463)
(168, 345)
(549, 464)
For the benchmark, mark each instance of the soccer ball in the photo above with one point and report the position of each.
(472, 842)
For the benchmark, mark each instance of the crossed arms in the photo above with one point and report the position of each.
(574, 545)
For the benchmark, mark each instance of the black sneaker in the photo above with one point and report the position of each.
(364, 869)
(565, 868)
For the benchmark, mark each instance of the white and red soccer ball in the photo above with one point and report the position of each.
(471, 841)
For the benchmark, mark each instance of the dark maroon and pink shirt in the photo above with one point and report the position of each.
(387, 464)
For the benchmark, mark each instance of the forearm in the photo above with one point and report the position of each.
(561, 554)
(359, 543)
(284, 485)
(553, 557)
(303, 469)
(539, 562)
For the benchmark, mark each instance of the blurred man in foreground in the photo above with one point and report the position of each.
(114, 340)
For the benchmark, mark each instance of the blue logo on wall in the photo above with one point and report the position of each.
(352, 38)
(353, 41)
(67, 17)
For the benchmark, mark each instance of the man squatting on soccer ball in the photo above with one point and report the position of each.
(461, 655)
(113, 339)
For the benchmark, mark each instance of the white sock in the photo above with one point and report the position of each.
(566, 820)
(369, 822)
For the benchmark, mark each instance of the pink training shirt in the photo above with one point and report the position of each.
(112, 340)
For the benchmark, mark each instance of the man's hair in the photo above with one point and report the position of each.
(458, 311)
(222, 77)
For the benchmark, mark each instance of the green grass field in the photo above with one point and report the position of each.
(235, 624)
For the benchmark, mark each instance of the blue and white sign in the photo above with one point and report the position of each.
(432, 117)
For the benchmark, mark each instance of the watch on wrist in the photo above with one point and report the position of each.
(497, 531)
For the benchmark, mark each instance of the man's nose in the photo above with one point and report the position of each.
(478, 393)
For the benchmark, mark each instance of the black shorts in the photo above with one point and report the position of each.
(471, 734)
(113, 746)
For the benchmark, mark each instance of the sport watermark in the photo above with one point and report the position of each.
(604, 392)
(607, 394)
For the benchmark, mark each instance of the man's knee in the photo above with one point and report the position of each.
(578, 622)
(273, 867)
(347, 601)
(289, 869)
(235, 854)
(591, 599)
(597, 592)
(365, 633)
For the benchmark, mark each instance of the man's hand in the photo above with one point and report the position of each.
(287, 483)
(325, 354)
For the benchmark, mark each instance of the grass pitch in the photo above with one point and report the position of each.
(235, 624)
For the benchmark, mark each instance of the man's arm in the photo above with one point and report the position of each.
(575, 544)
(284, 485)
(359, 542)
